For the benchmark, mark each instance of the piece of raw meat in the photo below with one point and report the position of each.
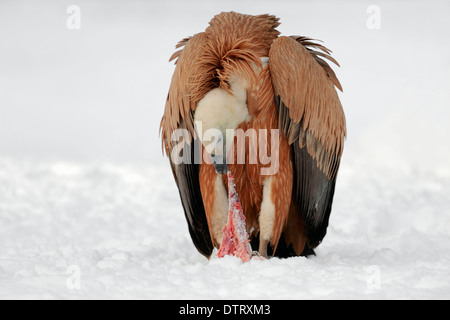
(235, 237)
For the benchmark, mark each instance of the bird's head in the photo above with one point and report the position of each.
(216, 117)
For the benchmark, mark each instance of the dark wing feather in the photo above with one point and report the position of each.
(178, 115)
(188, 183)
(311, 117)
(312, 191)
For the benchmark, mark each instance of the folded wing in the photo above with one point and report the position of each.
(178, 114)
(312, 118)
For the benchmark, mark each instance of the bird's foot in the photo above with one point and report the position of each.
(257, 256)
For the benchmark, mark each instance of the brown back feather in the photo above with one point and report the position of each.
(326, 53)
(305, 84)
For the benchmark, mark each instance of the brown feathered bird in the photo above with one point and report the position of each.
(241, 76)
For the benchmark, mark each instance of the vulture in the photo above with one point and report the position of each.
(264, 107)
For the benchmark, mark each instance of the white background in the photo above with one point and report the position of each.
(83, 180)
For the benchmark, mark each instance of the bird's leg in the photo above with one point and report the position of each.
(262, 251)
(266, 218)
(220, 210)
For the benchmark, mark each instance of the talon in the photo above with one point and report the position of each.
(257, 256)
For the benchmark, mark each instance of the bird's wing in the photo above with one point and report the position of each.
(311, 117)
(178, 114)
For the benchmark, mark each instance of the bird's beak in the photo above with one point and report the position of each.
(220, 164)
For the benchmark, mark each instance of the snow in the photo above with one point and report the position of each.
(89, 208)
(121, 227)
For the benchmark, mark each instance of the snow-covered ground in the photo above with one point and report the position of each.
(88, 206)
(98, 230)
